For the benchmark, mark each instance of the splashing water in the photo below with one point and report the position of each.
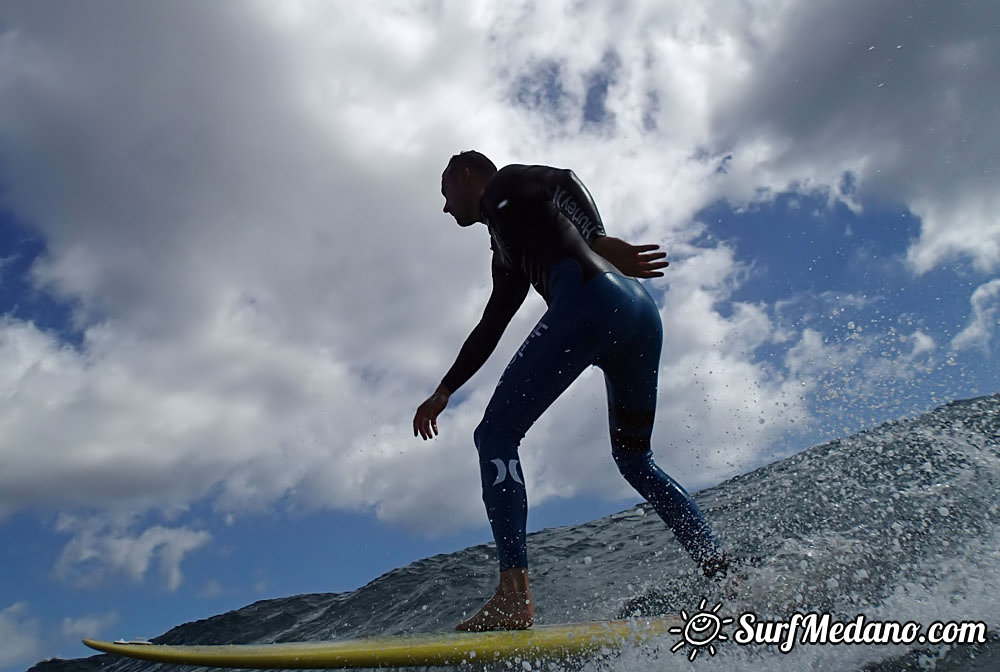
(899, 523)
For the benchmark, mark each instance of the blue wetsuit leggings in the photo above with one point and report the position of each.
(612, 322)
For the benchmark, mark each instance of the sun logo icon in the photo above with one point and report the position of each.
(700, 629)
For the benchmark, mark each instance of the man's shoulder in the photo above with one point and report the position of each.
(513, 171)
(519, 174)
(523, 170)
(504, 181)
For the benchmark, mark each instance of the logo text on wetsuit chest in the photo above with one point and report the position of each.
(576, 214)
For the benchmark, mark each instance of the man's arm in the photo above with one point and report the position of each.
(575, 202)
(509, 290)
(638, 261)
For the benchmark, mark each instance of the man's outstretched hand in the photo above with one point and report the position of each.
(425, 420)
(638, 261)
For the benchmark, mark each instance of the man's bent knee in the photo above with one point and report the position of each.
(495, 438)
(628, 447)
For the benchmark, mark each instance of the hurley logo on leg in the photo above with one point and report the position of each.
(503, 470)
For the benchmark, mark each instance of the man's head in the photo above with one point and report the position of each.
(462, 185)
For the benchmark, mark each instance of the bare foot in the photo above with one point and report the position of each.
(510, 608)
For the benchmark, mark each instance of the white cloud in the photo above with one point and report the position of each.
(248, 224)
(20, 635)
(985, 318)
(90, 626)
(897, 94)
(212, 588)
(922, 343)
(953, 230)
(102, 550)
(863, 376)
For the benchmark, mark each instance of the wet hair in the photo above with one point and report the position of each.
(475, 161)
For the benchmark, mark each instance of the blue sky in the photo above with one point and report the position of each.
(226, 281)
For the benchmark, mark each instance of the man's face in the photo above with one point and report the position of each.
(461, 200)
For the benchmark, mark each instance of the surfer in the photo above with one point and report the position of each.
(546, 232)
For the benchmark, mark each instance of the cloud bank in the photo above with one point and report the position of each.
(241, 212)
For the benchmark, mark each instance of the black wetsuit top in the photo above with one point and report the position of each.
(536, 216)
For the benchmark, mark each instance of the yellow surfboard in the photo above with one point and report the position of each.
(539, 642)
